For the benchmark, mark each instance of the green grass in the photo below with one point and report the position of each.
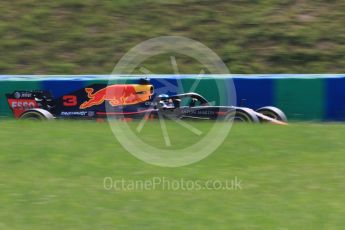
(51, 176)
(76, 37)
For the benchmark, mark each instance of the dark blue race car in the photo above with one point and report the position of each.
(131, 101)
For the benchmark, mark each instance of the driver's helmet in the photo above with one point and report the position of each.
(163, 97)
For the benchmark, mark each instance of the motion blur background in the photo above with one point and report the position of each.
(90, 36)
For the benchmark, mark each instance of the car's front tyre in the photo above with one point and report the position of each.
(272, 112)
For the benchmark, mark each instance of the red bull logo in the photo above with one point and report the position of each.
(118, 95)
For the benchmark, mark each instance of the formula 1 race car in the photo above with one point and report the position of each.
(130, 101)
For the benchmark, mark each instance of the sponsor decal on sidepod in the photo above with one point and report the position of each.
(118, 95)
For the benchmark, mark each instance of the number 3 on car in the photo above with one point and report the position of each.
(70, 100)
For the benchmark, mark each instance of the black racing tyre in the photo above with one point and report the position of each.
(244, 115)
(273, 112)
(36, 114)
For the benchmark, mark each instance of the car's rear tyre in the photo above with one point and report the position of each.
(36, 114)
(243, 115)
(273, 112)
